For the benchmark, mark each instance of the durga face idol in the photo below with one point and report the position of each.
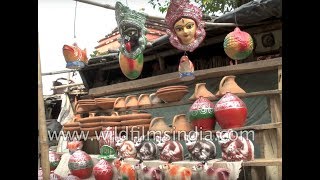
(185, 25)
(185, 29)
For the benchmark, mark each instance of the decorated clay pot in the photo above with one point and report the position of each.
(201, 114)
(172, 150)
(131, 68)
(148, 150)
(200, 150)
(107, 137)
(230, 111)
(80, 164)
(71, 177)
(235, 148)
(74, 145)
(238, 44)
(186, 68)
(53, 176)
(103, 170)
(54, 159)
(127, 149)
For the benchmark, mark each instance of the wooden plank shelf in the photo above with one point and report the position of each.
(188, 163)
(186, 102)
(173, 78)
(256, 127)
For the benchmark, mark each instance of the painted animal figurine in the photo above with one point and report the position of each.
(235, 148)
(175, 172)
(146, 149)
(210, 173)
(125, 171)
(200, 150)
(147, 173)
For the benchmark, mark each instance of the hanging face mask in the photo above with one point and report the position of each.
(186, 30)
(131, 25)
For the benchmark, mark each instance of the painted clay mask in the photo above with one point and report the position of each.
(132, 31)
(186, 30)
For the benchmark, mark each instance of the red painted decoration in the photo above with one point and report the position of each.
(80, 164)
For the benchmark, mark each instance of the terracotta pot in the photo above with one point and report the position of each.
(119, 103)
(144, 100)
(135, 122)
(54, 159)
(172, 96)
(172, 150)
(170, 87)
(80, 164)
(74, 145)
(108, 136)
(159, 124)
(131, 101)
(228, 84)
(154, 99)
(103, 170)
(201, 90)
(230, 111)
(135, 116)
(201, 114)
(181, 123)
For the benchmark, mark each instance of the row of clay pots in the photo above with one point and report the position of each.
(227, 84)
(179, 123)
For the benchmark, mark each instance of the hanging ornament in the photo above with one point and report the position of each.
(186, 28)
(74, 56)
(131, 68)
(186, 68)
(238, 44)
(131, 25)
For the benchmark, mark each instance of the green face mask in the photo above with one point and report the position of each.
(131, 25)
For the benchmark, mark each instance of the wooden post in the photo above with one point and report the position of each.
(42, 126)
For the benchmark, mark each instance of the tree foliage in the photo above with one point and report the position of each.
(211, 7)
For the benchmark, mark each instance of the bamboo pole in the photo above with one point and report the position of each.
(107, 6)
(42, 126)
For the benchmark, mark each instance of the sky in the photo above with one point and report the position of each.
(56, 28)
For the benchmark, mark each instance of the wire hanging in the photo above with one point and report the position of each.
(74, 21)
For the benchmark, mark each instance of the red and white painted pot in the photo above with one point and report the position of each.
(71, 177)
(103, 170)
(80, 164)
(230, 111)
(53, 176)
(54, 159)
(201, 114)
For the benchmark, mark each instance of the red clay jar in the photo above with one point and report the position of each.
(230, 111)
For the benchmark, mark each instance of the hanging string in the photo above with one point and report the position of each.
(235, 14)
(185, 53)
(74, 22)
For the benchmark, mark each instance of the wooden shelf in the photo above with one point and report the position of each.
(173, 78)
(185, 102)
(188, 163)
